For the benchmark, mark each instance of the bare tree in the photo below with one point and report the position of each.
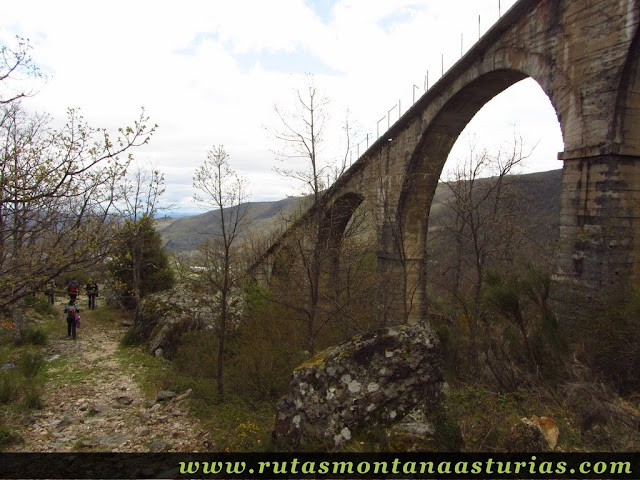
(16, 66)
(482, 203)
(223, 189)
(301, 138)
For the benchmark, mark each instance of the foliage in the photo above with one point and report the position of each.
(480, 232)
(56, 186)
(140, 241)
(32, 335)
(9, 386)
(40, 305)
(32, 399)
(263, 354)
(521, 338)
(474, 419)
(201, 345)
(608, 342)
(130, 338)
(30, 364)
(8, 436)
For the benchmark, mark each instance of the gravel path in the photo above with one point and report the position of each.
(92, 401)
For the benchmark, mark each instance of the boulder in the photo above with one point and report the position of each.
(535, 434)
(377, 377)
(164, 317)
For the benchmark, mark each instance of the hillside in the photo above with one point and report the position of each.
(541, 191)
(186, 233)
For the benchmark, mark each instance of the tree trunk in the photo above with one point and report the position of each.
(222, 330)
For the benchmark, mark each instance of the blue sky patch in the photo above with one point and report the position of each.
(396, 18)
(322, 8)
(298, 61)
(200, 37)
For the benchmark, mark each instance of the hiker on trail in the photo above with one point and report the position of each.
(73, 319)
(49, 291)
(92, 293)
(72, 290)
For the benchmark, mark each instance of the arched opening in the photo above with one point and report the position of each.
(342, 229)
(493, 225)
(428, 162)
(337, 217)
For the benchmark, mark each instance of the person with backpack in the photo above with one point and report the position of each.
(49, 291)
(72, 290)
(73, 319)
(92, 293)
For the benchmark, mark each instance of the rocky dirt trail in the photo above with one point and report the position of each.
(93, 402)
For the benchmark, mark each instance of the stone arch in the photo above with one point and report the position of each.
(477, 86)
(336, 218)
(442, 131)
(333, 225)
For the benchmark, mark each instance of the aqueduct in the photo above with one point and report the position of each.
(585, 55)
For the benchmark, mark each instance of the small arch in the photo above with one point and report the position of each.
(336, 219)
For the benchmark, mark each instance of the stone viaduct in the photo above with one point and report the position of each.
(585, 55)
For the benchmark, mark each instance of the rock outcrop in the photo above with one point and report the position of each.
(165, 316)
(378, 377)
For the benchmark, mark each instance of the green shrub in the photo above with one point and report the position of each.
(200, 345)
(9, 386)
(609, 343)
(40, 305)
(30, 364)
(8, 436)
(34, 336)
(447, 436)
(31, 335)
(262, 355)
(130, 338)
(475, 419)
(521, 338)
(32, 398)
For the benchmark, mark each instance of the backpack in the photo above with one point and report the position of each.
(71, 312)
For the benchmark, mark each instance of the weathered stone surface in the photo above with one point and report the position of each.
(164, 317)
(380, 376)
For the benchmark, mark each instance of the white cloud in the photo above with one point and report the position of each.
(209, 72)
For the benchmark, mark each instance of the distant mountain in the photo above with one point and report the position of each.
(186, 233)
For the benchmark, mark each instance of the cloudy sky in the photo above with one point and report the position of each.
(210, 72)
